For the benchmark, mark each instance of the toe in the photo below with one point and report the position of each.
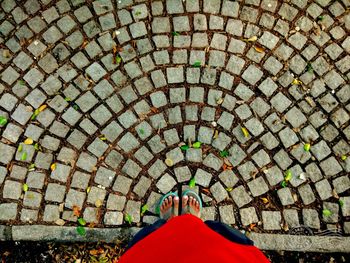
(170, 201)
(184, 200)
(176, 201)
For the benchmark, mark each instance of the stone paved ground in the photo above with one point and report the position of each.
(106, 105)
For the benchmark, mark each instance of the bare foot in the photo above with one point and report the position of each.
(191, 206)
(167, 205)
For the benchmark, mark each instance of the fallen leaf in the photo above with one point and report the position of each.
(81, 230)
(245, 132)
(24, 156)
(6, 53)
(196, 64)
(264, 199)
(307, 147)
(251, 39)
(76, 210)
(192, 183)
(25, 187)
(53, 167)
(259, 49)
(341, 203)
(335, 194)
(88, 189)
(184, 147)
(296, 82)
(219, 101)
(35, 114)
(20, 148)
(144, 208)
(175, 33)
(224, 153)
(3, 120)
(288, 176)
(81, 221)
(128, 218)
(98, 203)
(343, 157)
(42, 107)
(284, 184)
(28, 141)
(60, 222)
(326, 212)
(169, 162)
(197, 145)
(31, 167)
(216, 134)
(229, 189)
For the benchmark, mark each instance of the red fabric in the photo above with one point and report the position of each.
(187, 239)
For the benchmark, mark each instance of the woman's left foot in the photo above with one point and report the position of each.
(169, 208)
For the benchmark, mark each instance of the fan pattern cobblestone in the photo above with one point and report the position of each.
(125, 83)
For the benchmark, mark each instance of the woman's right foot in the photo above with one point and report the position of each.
(191, 206)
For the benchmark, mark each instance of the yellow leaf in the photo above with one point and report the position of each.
(98, 203)
(297, 82)
(169, 162)
(53, 167)
(219, 101)
(28, 141)
(265, 200)
(60, 222)
(42, 107)
(88, 189)
(259, 49)
(245, 132)
(252, 39)
(25, 187)
(216, 134)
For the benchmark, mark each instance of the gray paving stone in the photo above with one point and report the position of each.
(330, 167)
(12, 189)
(345, 208)
(248, 216)
(131, 168)
(219, 192)
(261, 158)
(341, 184)
(271, 220)
(86, 162)
(55, 192)
(133, 209)
(32, 199)
(291, 217)
(310, 218)
(8, 211)
(240, 196)
(122, 184)
(258, 186)
(115, 202)
(28, 215)
(113, 218)
(285, 196)
(80, 180)
(166, 183)
(306, 194)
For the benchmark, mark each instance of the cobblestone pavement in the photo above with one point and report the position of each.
(106, 105)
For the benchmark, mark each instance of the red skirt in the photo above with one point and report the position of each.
(187, 239)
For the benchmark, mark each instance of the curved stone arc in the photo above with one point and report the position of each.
(219, 7)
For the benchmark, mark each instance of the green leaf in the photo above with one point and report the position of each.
(229, 189)
(175, 33)
(142, 131)
(284, 184)
(343, 157)
(22, 82)
(309, 67)
(224, 153)
(24, 156)
(25, 187)
(307, 147)
(341, 203)
(144, 208)
(326, 212)
(197, 64)
(67, 99)
(35, 114)
(197, 145)
(138, 13)
(20, 148)
(81, 221)
(192, 183)
(128, 218)
(320, 18)
(31, 167)
(3, 120)
(185, 147)
(81, 230)
(288, 176)
(36, 146)
(118, 59)
(75, 106)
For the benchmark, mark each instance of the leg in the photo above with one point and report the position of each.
(229, 233)
(145, 232)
